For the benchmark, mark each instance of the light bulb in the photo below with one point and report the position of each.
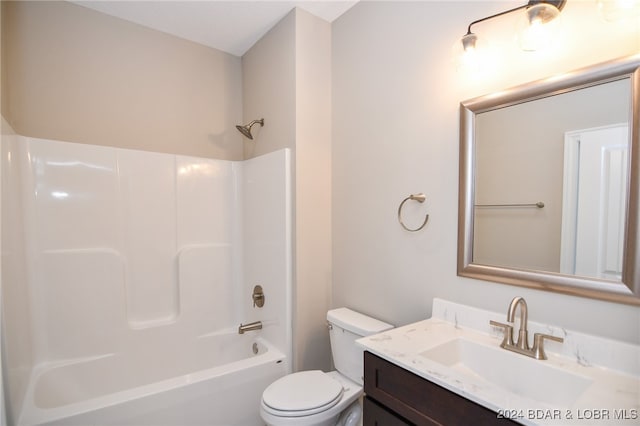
(538, 26)
(474, 57)
(468, 56)
(467, 53)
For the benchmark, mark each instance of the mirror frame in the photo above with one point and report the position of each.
(629, 292)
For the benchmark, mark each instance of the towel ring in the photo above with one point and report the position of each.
(420, 197)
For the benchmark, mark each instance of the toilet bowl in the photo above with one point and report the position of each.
(309, 398)
(316, 398)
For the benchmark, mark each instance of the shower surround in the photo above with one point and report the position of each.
(126, 275)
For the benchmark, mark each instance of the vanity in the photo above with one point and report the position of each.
(452, 370)
(396, 396)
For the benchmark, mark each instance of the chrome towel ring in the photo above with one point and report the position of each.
(420, 197)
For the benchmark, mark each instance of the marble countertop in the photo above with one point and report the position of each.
(611, 367)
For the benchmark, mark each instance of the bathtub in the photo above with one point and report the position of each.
(216, 380)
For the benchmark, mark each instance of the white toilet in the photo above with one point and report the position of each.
(315, 398)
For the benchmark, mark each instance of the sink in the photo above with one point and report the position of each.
(512, 372)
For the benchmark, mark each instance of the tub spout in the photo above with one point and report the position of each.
(256, 325)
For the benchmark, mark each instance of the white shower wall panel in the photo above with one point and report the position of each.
(148, 191)
(125, 264)
(70, 200)
(266, 247)
(208, 300)
(82, 292)
(206, 189)
(130, 248)
(208, 225)
(75, 195)
(18, 350)
(148, 212)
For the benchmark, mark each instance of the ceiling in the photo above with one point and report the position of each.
(232, 26)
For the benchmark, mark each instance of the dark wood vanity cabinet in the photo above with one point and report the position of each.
(395, 396)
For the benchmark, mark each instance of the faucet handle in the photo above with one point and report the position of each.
(538, 344)
(258, 296)
(507, 339)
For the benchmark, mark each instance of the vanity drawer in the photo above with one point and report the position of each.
(376, 415)
(418, 400)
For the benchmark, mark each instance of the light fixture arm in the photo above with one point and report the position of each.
(557, 3)
(493, 16)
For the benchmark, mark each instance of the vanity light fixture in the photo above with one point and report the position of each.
(538, 14)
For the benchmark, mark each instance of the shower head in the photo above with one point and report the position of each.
(246, 129)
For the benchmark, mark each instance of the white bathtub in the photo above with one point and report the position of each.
(215, 381)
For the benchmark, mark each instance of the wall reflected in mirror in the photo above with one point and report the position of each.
(551, 182)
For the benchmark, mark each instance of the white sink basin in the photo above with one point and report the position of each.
(513, 372)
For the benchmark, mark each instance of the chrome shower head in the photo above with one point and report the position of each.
(246, 129)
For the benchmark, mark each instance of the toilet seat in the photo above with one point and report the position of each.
(302, 394)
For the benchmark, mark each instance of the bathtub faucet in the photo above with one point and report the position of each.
(256, 325)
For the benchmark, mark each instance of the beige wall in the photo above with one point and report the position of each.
(76, 75)
(269, 90)
(313, 191)
(396, 94)
(287, 80)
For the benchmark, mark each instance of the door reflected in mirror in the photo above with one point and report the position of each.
(594, 201)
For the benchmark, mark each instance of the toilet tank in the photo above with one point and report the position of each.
(345, 327)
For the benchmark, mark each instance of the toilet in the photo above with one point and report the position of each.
(316, 398)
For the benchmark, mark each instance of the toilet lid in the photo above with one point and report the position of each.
(303, 393)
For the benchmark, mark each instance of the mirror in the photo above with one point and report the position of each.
(549, 184)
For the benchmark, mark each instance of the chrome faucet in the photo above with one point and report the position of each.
(256, 325)
(521, 346)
